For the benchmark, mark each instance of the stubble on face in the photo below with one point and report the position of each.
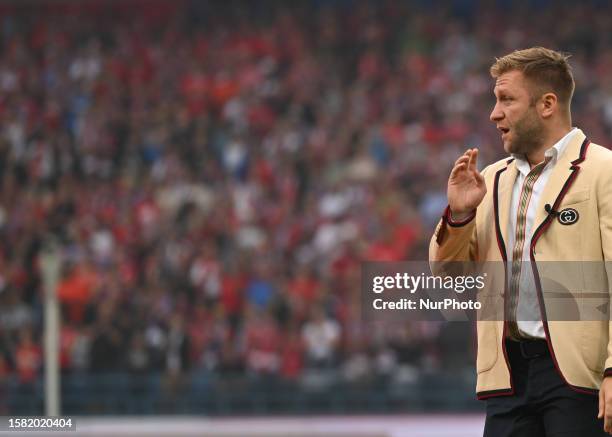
(528, 135)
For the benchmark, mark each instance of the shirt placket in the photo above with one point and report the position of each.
(517, 251)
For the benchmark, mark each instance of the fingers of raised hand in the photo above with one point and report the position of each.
(463, 159)
(473, 159)
(462, 166)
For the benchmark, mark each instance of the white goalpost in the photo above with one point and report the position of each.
(50, 262)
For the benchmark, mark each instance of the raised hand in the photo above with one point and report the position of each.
(466, 186)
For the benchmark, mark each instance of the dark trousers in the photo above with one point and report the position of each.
(543, 405)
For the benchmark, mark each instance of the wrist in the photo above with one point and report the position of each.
(457, 217)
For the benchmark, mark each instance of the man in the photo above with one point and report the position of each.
(550, 201)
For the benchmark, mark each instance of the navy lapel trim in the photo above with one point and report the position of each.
(498, 231)
(502, 249)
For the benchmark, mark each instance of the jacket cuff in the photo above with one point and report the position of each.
(455, 223)
(607, 372)
(447, 220)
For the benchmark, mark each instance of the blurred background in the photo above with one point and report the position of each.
(215, 173)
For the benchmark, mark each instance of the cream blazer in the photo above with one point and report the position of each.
(581, 181)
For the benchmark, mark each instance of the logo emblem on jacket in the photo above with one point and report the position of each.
(568, 216)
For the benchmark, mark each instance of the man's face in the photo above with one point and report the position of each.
(515, 114)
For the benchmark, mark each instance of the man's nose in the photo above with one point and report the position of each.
(496, 114)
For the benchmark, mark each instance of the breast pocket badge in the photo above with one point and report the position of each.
(568, 216)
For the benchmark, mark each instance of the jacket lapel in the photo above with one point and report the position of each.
(504, 183)
(560, 177)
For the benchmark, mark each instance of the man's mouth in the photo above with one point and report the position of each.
(504, 131)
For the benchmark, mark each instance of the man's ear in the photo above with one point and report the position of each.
(548, 105)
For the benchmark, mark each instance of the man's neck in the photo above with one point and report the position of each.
(536, 157)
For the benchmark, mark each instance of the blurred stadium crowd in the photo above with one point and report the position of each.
(215, 173)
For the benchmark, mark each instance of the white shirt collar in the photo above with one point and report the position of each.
(553, 153)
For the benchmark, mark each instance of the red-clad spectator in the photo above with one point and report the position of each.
(28, 357)
(262, 343)
(304, 286)
(76, 289)
(208, 330)
(200, 330)
(5, 371)
(223, 88)
(384, 250)
(292, 356)
(232, 293)
(68, 338)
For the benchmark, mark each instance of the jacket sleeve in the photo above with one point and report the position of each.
(604, 204)
(454, 241)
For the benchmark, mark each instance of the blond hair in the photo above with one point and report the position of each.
(547, 70)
